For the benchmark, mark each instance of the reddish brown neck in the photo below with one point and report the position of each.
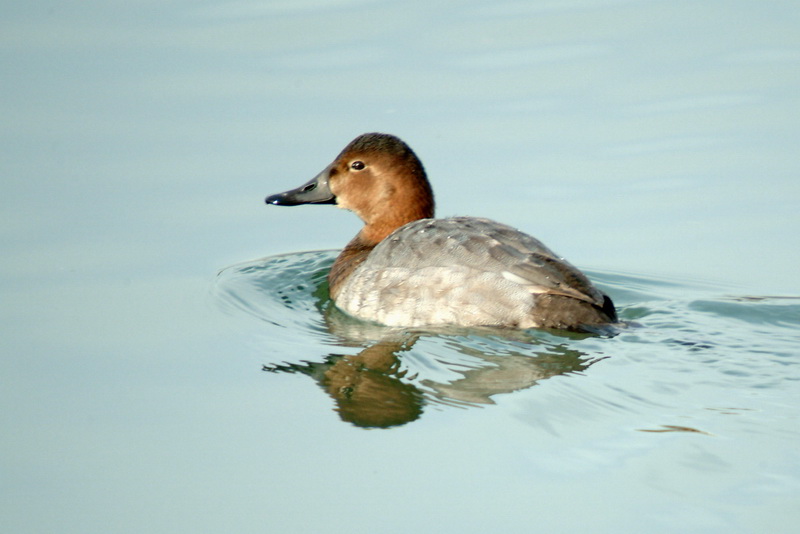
(377, 227)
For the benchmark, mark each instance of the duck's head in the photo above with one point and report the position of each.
(378, 177)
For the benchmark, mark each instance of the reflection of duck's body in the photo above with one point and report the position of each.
(405, 268)
(371, 388)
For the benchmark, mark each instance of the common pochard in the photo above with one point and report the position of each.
(407, 269)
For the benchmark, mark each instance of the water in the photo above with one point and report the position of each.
(469, 367)
(158, 377)
(686, 409)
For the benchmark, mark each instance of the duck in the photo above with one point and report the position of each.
(405, 268)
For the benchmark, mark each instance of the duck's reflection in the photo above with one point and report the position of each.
(368, 388)
(372, 389)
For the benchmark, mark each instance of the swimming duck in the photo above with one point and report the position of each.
(408, 269)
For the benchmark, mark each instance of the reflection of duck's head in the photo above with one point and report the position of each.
(406, 269)
(369, 397)
(368, 387)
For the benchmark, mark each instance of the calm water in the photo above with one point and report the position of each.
(158, 377)
(696, 328)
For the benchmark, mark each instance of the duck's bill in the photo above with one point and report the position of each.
(316, 191)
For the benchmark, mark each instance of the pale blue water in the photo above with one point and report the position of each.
(287, 294)
(158, 377)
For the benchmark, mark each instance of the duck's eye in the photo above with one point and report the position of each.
(357, 165)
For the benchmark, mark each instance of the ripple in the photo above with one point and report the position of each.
(681, 335)
(288, 291)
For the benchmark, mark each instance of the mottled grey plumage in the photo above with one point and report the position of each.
(466, 270)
